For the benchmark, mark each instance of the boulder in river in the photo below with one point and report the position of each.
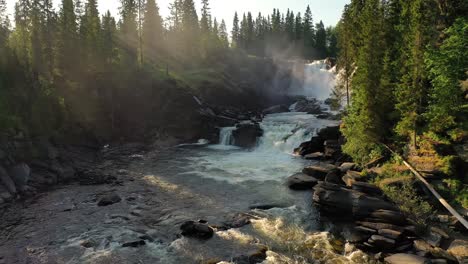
(255, 256)
(196, 230)
(109, 200)
(315, 145)
(246, 133)
(301, 181)
(308, 106)
(276, 109)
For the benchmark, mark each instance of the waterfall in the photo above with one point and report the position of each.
(225, 136)
(318, 81)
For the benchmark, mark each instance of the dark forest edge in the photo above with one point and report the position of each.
(73, 70)
(405, 65)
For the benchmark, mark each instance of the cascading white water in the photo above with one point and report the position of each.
(318, 81)
(225, 136)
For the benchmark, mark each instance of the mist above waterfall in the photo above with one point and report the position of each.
(316, 80)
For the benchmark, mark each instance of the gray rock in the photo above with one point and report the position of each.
(276, 109)
(7, 181)
(366, 188)
(301, 181)
(109, 200)
(334, 177)
(134, 244)
(255, 256)
(392, 234)
(389, 216)
(402, 258)
(336, 199)
(382, 242)
(20, 174)
(196, 230)
(5, 194)
(245, 135)
(314, 156)
(319, 171)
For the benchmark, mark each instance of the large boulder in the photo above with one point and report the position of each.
(335, 199)
(246, 133)
(308, 106)
(301, 181)
(196, 230)
(315, 145)
(276, 109)
(320, 170)
(6, 180)
(20, 174)
(109, 200)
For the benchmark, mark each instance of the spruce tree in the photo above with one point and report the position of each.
(68, 40)
(321, 40)
(235, 31)
(223, 35)
(152, 32)
(129, 34)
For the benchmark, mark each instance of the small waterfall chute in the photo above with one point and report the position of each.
(225, 136)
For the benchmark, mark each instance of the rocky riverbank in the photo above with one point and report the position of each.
(368, 219)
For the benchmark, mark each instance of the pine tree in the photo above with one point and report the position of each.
(321, 40)
(235, 31)
(190, 28)
(309, 33)
(91, 33)
(129, 34)
(68, 41)
(363, 127)
(205, 24)
(109, 40)
(223, 35)
(411, 94)
(152, 32)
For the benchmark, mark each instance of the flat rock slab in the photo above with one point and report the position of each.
(196, 230)
(405, 259)
(301, 181)
(319, 171)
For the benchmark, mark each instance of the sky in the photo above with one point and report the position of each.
(329, 11)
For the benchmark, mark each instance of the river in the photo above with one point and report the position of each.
(163, 188)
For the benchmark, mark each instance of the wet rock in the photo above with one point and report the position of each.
(196, 230)
(308, 106)
(276, 109)
(88, 243)
(256, 256)
(245, 135)
(319, 171)
(20, 175)
(355, 235)
(334, 199)
(265, 206)
(7, 182)
(237, 221)
(109, 200)
(402, 258)
(312, 146)
(301, 181)
(134, 244)
(459, 249)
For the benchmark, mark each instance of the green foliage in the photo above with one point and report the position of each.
(418, 210)
(447, 66)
